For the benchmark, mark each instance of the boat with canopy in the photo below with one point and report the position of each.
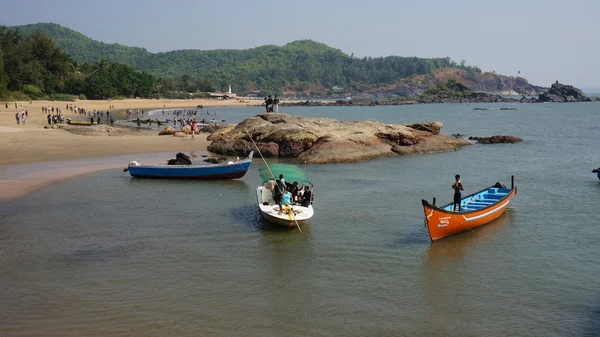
(294, 214)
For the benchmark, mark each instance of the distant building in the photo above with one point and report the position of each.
(337, 89)
(220, 95)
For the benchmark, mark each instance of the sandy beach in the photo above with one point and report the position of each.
(32, 144)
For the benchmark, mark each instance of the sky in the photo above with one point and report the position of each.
(545, 40)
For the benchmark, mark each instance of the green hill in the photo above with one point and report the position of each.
(297, 66)
(84, 49)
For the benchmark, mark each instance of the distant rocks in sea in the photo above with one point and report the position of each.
(476, 97)
(326, 140)
(557, 93)
(496, 139)
(501, 109)
(564, 93)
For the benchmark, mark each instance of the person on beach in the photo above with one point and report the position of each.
(112, 120)
(266, 105)
(457, 186)
(18, 118)
(276, 104)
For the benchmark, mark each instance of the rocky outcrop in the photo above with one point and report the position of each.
(476, 97)
(496, 139)
(487, 82)
(564, 93)
(169, 130)
(326, 140)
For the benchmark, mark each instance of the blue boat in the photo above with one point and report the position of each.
(230, 170)
(597, 171)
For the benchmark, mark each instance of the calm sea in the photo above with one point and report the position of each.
(108, 255)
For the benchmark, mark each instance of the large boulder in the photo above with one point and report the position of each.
(326, 140)
(169, 130)
(186, 129)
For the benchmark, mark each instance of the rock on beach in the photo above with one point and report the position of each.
(326, 140)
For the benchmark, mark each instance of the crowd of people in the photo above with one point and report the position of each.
(285, 193)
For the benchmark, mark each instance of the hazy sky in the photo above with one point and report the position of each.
(546, 40)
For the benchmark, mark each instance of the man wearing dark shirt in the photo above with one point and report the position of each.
(306, 197)
(269, 104)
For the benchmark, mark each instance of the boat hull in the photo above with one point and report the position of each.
(285, 220)
(442, 223)
(199, 172)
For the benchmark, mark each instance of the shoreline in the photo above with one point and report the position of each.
(18, 180)
(33, 156)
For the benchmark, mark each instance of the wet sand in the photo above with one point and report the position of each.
(61, 154)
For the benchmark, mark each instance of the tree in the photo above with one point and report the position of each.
(3, 76)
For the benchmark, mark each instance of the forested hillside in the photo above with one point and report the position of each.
(297, 66)
(33, 67)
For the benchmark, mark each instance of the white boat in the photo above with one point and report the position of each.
(292, 215)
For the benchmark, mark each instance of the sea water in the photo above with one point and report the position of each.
(106, 255)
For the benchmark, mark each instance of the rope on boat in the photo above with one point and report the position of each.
(273, 176)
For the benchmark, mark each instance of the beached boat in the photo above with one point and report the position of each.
(476, 210)
(597, 171)
(229, 170)
(292, 215)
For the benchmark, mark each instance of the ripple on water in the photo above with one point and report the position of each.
(106, 255)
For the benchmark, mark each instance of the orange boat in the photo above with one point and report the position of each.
(476, 210)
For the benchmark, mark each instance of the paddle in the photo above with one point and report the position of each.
(273, 176)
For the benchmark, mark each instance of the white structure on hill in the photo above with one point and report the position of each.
(221, 95)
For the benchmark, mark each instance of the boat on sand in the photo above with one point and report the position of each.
(477, 210)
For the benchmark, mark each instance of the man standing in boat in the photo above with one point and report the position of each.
(280, 189)
(457, 186)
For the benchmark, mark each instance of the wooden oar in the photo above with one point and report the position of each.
(273, 176)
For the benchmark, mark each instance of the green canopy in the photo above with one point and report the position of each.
(290, 173)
